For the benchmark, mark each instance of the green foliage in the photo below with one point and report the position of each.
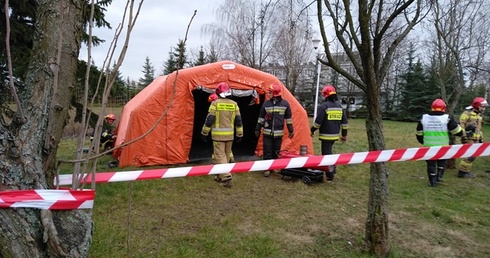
(177, 58)
(417, 93)
(118, 89)
(201, 59)
(148, 74)
(22, 20)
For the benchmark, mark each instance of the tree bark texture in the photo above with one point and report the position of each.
(26, 158)
(377, 237)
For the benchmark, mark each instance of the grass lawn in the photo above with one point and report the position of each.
(271, 217)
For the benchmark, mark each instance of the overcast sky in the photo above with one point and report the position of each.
(160, 25)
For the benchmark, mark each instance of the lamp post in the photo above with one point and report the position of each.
(316, 42)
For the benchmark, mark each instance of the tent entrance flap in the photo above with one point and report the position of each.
(245, 150)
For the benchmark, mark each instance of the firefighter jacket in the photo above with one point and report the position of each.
(471, 121)
(433, 129)
(331, 120)
(272, 115)
(222, 120)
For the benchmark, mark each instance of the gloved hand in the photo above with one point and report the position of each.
(257, 133)
(238, 139)
(464, 139)
(291, 135)
(343, 138)
(204, 138)
(312, 131)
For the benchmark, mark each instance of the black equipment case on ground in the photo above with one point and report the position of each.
(307, 175)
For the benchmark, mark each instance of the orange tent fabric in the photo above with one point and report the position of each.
(161, 118)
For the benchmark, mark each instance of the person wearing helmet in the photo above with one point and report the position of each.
(332, 123)
(433, 129)
(107, 137)
(273, 113)
(471, 121)
(212, 97)
(222, 121)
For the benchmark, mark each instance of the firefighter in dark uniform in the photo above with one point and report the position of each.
(471, 121)
(433, 129)
(272, 115)
(222, 120)
(332, 122)
(108, 136)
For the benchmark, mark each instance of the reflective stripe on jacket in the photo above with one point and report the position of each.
(331, 121)
(468, 117)
(222, 120)
(435, 130)
(272, 115)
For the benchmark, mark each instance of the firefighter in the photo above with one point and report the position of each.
(471, 121)
(333, 124)
(272, 115)
(433, 129)
(222, 120)
(107, 137)
(212, 97)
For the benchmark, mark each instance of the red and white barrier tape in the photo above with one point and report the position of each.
(423, 153)
(48, 199)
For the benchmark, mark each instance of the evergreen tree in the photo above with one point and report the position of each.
(148, 74)
(22, 19)
(417, 93)
(177, 58)
(180, 54)
(212, 56)
(201, 59)
(118, 90)
(170, 65)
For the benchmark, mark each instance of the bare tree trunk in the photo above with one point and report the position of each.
(377, 240)
(27, 151)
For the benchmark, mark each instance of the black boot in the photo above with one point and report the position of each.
(440, 174)
(330, 175)
(463, 174)
(432, 180)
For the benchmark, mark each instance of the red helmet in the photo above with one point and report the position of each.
(110, 117)
(438, 105)
(274, 89)
(212, 97)
(479, 102)
(223, 90)
(328, 90)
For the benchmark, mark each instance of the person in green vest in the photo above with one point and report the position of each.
(433, 129)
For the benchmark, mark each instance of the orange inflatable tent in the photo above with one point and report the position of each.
(163, 122)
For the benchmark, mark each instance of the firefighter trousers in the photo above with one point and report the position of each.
(221, 155)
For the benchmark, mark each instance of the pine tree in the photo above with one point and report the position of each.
(148, 74)
(170, 65)
(180, 55)
(201, 59)
(212, 56)
(417, 93)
